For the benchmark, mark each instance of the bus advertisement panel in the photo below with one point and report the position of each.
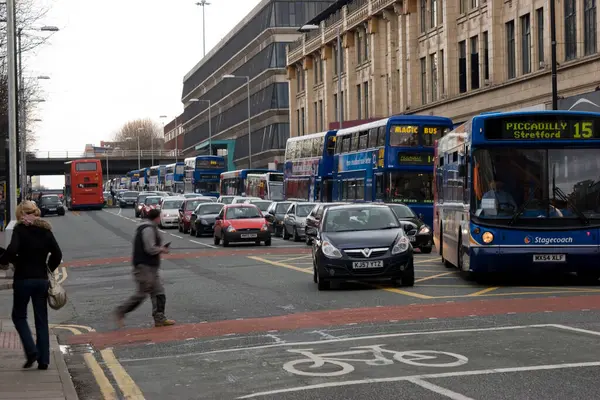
(520, 192)
(202, 174)
(83, 184)
(389, 160)
(309, 167)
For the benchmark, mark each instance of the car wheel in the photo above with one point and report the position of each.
(322, 284)
(425, 250)
(216, 240)
(180, 228)
(268, 242)
(296, 237)
(192, 231)
(198, 233)
(308, 240)
(408, 279)
(225, 242)
(315, 278)
(284, 234)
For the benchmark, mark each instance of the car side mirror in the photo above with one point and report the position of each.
(218, 218)
(406, 228)
(421, 216)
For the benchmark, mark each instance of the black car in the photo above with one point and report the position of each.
(202, 220)
(274, 216)
(419, 234)
(128, 199)
(139, 203)
(361, 242)
(314, 219)
(51, 204)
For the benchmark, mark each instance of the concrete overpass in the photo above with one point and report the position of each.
(119, 162)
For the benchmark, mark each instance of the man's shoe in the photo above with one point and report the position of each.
(165, 322)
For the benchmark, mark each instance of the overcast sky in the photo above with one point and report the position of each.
(117, 60)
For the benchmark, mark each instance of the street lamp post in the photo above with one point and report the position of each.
(249, 126)
(11, 172)
(203, 4)
(209, 124)
(308, 28)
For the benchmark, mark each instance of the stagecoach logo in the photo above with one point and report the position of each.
(547, 241)
(527, 239)
(366, 252)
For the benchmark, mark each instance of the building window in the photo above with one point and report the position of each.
(589, 27)
(539, 13)
(359, 99)
(510, 49)
(298, 123)
(318, 70)
(433, 62)
(434, 14)
(335, 107)
(366, 44)
(526, 43)
(474, 3)
(486, 57)
(474, 62)
(442, 80)
(302, 121)
(423, 16)
(359, 47)
(462, 67)
(366, 90)
(423, 80)
(321, 115)
(298, 80)
(570, 30)
(463, 6)
(334, 55)
(316, 116)
(342, 105)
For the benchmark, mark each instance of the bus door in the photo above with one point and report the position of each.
(379, 187)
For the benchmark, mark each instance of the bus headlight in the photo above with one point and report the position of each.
(487, 237)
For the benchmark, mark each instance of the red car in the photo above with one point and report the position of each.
(186, 210)
(151, 202)
(241, 223)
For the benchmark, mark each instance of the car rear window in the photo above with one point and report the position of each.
(282, 208)
(152, 200)
(50, 199)
(206, 209)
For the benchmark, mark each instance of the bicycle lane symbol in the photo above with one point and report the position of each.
(319, 365)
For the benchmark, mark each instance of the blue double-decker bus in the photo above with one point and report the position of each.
(174, 174)
(520, 192)
(202, 174)
(308, 169)
(389, 160)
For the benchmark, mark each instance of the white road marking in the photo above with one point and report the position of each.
(177, 236)
(425, 376)
(325, 335)
(204, 244)
(570, 328)
(438, 389)
(344, 339)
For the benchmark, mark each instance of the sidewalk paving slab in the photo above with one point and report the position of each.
(19, 383)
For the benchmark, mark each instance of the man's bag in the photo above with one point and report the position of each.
(57, 297)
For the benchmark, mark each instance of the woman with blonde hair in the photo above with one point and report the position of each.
(31, 242)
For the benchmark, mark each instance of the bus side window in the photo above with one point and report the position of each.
(354, 142)
(331, 145)
(372, 138)
(381, 137)
(346, 144)
(338, 145)
(318, 146)
(363, 139)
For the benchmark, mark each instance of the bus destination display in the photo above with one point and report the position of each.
(538, 129)
(415, 158)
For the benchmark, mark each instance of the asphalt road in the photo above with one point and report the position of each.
(251, 324)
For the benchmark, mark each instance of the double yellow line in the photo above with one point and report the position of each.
(107, 357)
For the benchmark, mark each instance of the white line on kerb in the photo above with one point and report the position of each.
(427, 376)
(438, 389)
(203, 244)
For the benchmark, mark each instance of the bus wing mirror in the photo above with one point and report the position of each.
(462, 171)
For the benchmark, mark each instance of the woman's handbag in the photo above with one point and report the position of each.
(57, 297)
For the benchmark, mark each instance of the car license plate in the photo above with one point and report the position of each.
(412, 238)
(549, 258)
(52, 209)
(367, 264)
(248, 235)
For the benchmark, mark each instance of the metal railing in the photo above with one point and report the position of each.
(112, 153)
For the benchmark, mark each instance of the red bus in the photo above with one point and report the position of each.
(83, 184)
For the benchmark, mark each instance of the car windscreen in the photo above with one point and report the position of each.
(359, 219)
(152, 200)
(206, 209)
(192, 204)
(130, 194)
(402, 211)
(242, 213)
(302, 210)
(50, 199)
(282, 208)
(226, 200)
(262, 205)
(172, 204)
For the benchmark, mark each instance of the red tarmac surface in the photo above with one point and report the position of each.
(321, 319)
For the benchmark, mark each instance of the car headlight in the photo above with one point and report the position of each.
(330, 250)
(230, 229)
(187, 217)
(424, 230)
(166, 215)
(203, 222)
(402, 245)
(264, 227)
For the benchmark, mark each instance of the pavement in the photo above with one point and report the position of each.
(252, 324)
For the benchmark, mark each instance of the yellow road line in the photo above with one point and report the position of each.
(130, 389)
(484, 291)
(309, 271)
(426, 261)
(106, 388)
(297, 258)
(75, 213)
(448, 286)
(433, 277)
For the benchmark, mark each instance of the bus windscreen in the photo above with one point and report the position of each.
(86, 166)
(542, 127)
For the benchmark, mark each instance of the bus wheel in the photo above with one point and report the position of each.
(466, 275)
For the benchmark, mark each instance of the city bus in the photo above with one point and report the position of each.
(235, 183)
(520, 192)
(174, 174)
(133, 180)
(202, 174)
(309, 167)
(154, 178)
(83, 184)
(389, 160)
(268, 186)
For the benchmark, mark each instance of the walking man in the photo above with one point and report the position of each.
(147, 249)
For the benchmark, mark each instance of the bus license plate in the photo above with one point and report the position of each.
(549, 258)
(248, 235)
(367, 264)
